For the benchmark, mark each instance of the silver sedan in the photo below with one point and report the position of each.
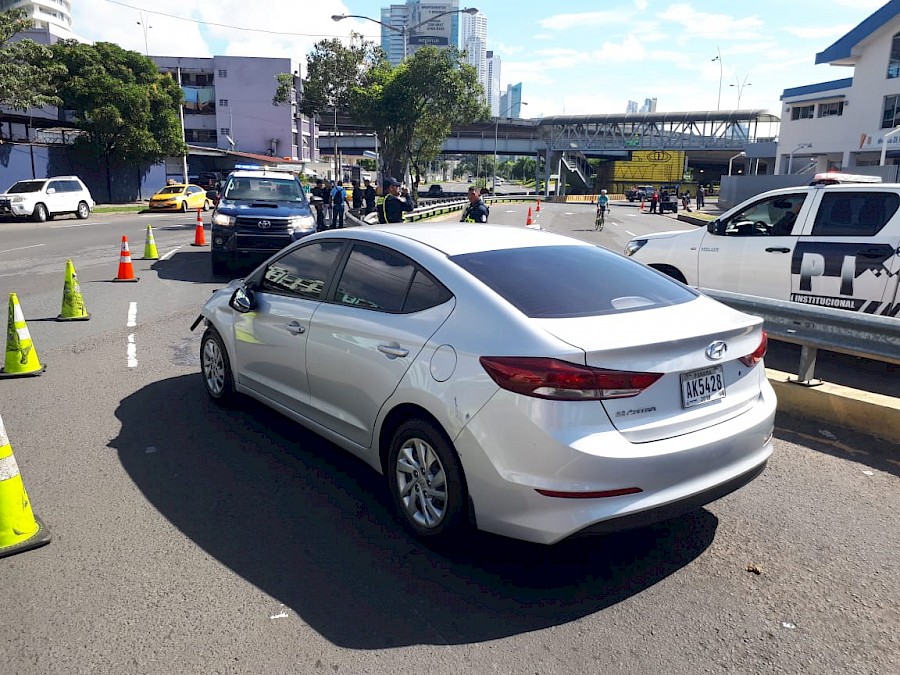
(530, 384)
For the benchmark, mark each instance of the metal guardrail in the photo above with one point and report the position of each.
(813, 328)
(354, 217)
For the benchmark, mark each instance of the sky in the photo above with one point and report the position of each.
(574, 58)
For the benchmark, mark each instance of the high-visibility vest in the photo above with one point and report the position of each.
(379, 208)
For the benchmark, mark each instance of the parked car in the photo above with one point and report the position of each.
(435, 191)
(43, 199)
(180, 197)
(639, 193)
(597, 404)
(259, 212)
(828, 245)
(209, 180)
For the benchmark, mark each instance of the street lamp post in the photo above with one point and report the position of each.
(740, 87)
(740, 154)
(791, 155)
(884, 141)
(496, 133)
(404, 30)
(719, 59)
(145, 27)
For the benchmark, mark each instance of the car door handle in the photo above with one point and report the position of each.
(778, 249)
(395, 351)
(295, 328)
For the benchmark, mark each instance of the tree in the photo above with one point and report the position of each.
(413, 107)
(126, 107)
(26, 70)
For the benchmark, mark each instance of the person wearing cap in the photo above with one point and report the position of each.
(395, 202)
(477, 211)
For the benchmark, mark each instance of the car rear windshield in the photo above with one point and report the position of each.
(551, 282)
(266, 189)
(26, 186)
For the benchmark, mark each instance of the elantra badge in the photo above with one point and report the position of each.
(716, 350)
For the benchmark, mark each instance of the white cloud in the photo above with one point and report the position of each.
(583, 19)
(819, 32)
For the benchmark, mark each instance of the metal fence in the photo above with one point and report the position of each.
(813, 328)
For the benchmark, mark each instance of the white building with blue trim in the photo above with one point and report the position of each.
(842, 124)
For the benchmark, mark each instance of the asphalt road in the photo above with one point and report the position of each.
(192, 539)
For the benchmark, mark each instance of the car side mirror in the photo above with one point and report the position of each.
(51, 191)
(716, 227)
(242, 300)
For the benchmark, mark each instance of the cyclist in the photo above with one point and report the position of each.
(602, 206)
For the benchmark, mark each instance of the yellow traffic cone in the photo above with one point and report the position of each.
(19, 529)
(73, 308)
(21, 358)
(150, 252)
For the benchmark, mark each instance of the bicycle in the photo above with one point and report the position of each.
(600, 219)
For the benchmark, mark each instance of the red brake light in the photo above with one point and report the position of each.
(757, 355)
(563, 381)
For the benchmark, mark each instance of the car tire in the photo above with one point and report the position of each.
(426, 482)
(216, 368)
(83, 211)
(184, 206)
(206, 205)
(40, 213)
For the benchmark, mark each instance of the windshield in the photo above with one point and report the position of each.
(171, 190)
(26, 186)
(270, 189)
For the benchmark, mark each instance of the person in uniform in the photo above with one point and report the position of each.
(395, 202)
(477, 211)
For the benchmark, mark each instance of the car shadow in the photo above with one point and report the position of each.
(312, 526)
(192, 264)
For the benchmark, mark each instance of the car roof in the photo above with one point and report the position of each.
(460, 238)
(261, 173)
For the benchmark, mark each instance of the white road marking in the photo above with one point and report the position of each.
(131, 351)
(59, 227)
(131, 348)
(21, 248)
(171, 253)
(630, 233)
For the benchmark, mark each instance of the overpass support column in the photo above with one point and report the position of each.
(548, 168)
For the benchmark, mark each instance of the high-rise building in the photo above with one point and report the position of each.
(511, 101)
(414, 27)
(493, 79)
(649, 106)
(52, 18)
(631, 107)
(473, 36)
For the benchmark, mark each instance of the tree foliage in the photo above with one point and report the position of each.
(128, 109)
(26, 69)
(414, 106)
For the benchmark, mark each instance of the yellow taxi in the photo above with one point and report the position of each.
(180, 197)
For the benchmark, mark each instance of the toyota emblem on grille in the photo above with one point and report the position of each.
(264, 224)
(716, 350)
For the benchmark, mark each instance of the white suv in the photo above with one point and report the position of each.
(43, 198)
(828, 245)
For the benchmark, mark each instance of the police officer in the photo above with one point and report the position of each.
(477, 211)
(395, 202)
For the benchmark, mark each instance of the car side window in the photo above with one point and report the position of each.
(774, 216)
(304, 272)
(425, 292)
(380, 279)
(854, 214)
(56, 186)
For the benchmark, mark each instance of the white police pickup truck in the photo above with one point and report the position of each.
(832, 245)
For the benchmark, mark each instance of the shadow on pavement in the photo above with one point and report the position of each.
(312, 527)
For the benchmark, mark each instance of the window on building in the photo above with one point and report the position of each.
(890, 117)
(223, 73)
(833, 109)
(223, 102)
(803, 112)
(893, 69)
(225, 131)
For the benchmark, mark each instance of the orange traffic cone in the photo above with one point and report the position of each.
(126, 270)
(199, 236)
(538, 208)
(528, 221)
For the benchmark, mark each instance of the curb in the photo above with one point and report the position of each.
(868, 413)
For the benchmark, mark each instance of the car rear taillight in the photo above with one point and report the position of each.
(757, 355)
(563, 381)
